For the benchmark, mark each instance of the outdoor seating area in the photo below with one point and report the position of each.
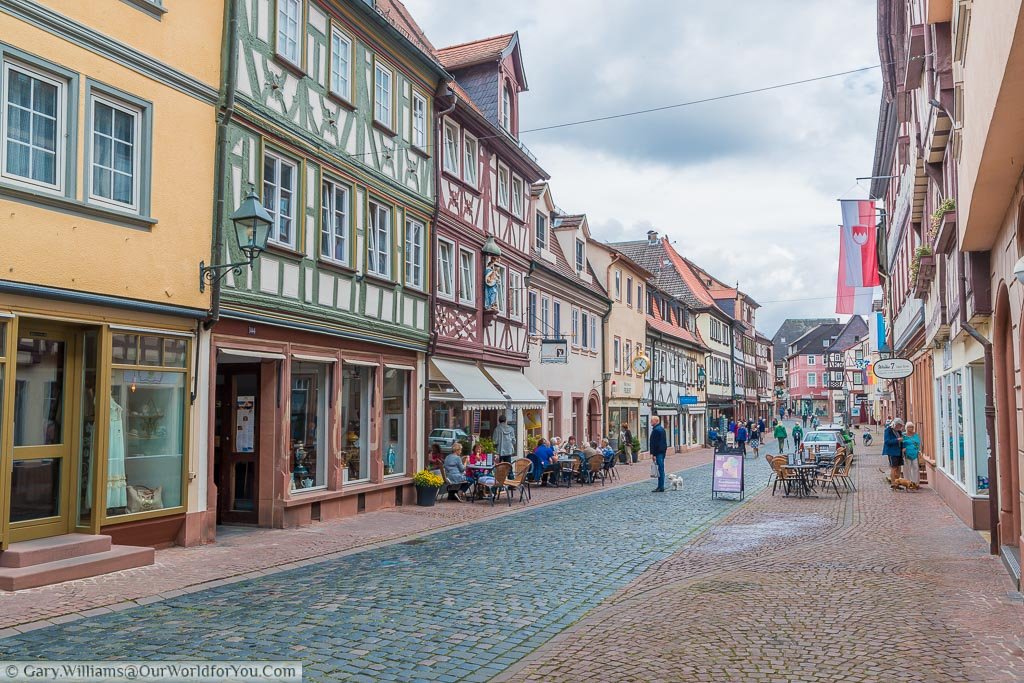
(800, 476)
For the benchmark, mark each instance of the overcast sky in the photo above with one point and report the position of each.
(746, 187)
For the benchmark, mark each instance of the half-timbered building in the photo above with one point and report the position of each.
(319, 353)
(480, 344)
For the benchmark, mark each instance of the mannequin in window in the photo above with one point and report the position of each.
(117, 496)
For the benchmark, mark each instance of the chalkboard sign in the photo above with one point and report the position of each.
(727, 475)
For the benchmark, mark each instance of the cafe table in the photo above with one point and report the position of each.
(805, 471)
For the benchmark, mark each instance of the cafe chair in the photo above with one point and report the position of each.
(570, 469)
(519, 481)
(595, 468)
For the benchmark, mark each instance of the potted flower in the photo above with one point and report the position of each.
(427, 484)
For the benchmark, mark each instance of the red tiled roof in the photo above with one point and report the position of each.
(688, 276)
(398, 15)
(671, 330)
(474, 52)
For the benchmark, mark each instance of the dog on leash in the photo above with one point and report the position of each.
(676, 482)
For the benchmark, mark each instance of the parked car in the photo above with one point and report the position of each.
(446, 438)
(820, 445)
(838, 430)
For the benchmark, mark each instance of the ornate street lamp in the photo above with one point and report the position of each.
(252, 228)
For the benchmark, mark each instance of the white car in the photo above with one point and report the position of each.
(819, 445)
(446, 438)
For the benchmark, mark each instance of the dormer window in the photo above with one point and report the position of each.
(580, 261)
(506, 108)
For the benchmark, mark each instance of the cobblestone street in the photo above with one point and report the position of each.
(620, 585)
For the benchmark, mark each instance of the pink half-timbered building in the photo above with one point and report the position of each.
(480, 340)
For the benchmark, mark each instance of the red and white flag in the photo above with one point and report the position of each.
(852, 300)
(859, 246)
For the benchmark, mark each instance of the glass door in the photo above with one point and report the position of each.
(43, 416)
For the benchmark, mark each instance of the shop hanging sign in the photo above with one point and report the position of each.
(727, 476)
(554, 351)
(893, 368)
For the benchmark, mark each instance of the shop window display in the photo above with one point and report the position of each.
(358, 384)
(396, 388)
(147, 423)
(310, 389)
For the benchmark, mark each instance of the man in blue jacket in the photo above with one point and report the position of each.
(892, 446)
(658, 443)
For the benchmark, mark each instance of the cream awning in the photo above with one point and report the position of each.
(520, 391)
(245, 353)
(475, 391)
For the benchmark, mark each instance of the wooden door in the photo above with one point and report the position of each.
(237, 446)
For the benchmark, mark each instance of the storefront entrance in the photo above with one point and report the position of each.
(236, 443)
(52, 422)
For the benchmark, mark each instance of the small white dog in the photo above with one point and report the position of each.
(676, 481)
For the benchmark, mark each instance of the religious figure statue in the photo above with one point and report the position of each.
(491, 282)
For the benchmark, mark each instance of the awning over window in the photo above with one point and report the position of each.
(471, 387)
(519, 390)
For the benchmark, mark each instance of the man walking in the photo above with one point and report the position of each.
(658, 445)
(741, 439)
(627, 443)
(505, 439)
(781, 435)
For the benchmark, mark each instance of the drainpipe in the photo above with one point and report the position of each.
(606, 393)
(432, 297)
(220, 162)
(990, 410)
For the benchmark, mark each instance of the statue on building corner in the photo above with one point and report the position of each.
(491, 282)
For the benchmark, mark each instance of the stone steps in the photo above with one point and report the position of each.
(44, 561)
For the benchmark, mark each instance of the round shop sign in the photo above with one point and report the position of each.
(893, 368)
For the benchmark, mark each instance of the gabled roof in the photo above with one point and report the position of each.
(852, 333)
(791, 330)
(397, 13)
(811, 342)
(475, 52)
(675, 331)
(670, 272)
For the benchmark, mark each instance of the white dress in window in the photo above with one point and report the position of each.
(117, 496)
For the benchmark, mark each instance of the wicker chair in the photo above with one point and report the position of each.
(519, 480)
(502, 474)
(569, 470)
(449, 486)
(609, 468)
(831, 475)
(844, 472)
(783, 475)
(595, 468)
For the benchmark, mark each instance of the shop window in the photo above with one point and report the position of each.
(396, 413)
(309, 424)
(357, 400)
(145, 455)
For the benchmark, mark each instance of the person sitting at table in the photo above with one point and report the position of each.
(455, 471)
(606, 450)
(543, 460)
(570, 445)
(556, 444)
(435, 457)
(477, 457)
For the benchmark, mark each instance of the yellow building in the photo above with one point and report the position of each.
(106, 199)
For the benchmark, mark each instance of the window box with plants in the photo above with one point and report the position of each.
(922, 271)
(942, 232)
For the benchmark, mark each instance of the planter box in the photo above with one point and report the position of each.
(946, 235)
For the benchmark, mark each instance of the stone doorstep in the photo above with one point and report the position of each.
(52, 549)
(117, 558)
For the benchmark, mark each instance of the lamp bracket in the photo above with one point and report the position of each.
(214, 273)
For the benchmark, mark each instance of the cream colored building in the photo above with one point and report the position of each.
(624, 336)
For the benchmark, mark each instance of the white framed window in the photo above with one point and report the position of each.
(467, 276)
(471, 164)
(593, 333)
(414, 234)
(812, 379)
(115, 153)
(334, 213)
(445, 269)
(617, 355)
(34, 127)
(280, 182)
(503, 187)
(640, 297)
(502, 288)
(506, 108)
(629, 292)
(383, 78)
(451, 148)
(531, 313)
(627, 358)
(585, 341)
(811, 360)
(515, 295)
(580, 259)
(618, 285)
(517, 196)
(289, 30)
(545, 315)
(556, 319)
(575, 338)
(419, 120)
(378, 240)
(341, 64)
(541, 231)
